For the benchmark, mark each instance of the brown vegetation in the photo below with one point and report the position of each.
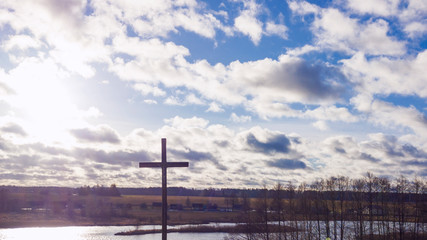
(341, 208)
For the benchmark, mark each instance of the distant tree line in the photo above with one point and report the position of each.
(99, 190)
(368, 208)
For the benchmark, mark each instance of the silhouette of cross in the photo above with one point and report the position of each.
(164, 165)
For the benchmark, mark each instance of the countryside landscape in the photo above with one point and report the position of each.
(339, 207)
(284, 119)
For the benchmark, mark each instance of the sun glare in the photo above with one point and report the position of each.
(46, 233)
(45, 103)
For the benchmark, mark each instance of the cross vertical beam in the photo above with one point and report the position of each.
(164, 165)
(164, 192)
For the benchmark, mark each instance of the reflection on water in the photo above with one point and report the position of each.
(96, 233)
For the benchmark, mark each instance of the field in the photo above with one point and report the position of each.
(123, 210)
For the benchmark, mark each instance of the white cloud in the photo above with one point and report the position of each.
(21, 42)
(331, 113)
(272, 28)
(247, 24)
(146, 89)
(149, 62)
(93, 112)
(240, 119)
(267, 110)
(215, 152)
(415, 11)
(172, 100)
(303, 7)
(288, 79)
(389, 115)
(321, 125)
(193, 99)
(416, 29)
(179, 122)
(377, 7)
(385, 76)
(150, 101)
(214, 107)
(158, 19)
(62, 29)
(302, 50)
(410, 13)
(337, 31)
(98, 134)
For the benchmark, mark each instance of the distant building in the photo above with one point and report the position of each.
(198, 206)
(156, 205)
(237, 207)
(177, 207)
(212, 207)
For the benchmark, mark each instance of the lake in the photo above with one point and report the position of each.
(97, 233)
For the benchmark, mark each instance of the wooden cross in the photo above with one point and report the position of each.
(164, 165)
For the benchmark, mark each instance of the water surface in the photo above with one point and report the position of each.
(97, 233)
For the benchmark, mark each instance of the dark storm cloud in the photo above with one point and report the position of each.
(23, 161)
(13, 128)
(310, 81)
(222, 144)
(14, 176)
(340, 150)
(118, 158)
(393, 149)
(387, 144)
(368, 157)
(287, 164)
(391, 146)
(192, 155)
(295, 140)
(279, 143)
(4, 145)
(42, 148)
(415, 162)
(57, 165)
(393, 153)
(413, 151)
(195, 156)
(98, 135)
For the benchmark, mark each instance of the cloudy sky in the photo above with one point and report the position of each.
(249, 92)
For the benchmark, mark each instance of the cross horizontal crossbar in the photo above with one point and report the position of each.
(160, 164)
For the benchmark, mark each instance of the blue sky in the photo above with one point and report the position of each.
(251, 93)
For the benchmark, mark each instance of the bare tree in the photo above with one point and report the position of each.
(401, 188)
(343, 185)
(331, 184)
(262, 213)
(248, 218)
(358, 203)
(417, 189)
(305, 208)
(384, 193)
(318, 206)
(278, 208)
(369, 189)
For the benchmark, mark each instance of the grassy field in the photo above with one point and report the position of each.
(123, 210)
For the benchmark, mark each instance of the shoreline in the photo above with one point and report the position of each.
(238, 228)
(9, 221)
